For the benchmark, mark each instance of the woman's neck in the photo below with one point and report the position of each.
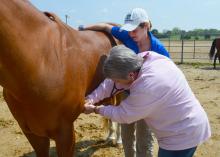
(144, 44)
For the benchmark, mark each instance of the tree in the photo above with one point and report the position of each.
(176, 31)
(167, 33)
(155, 32)
(207, 36)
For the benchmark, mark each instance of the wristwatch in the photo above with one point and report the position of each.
(81, 27)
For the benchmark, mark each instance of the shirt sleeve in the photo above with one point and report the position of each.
(157, 46)
(102, 91)
(121, 35)
(135, 107)
(161, 49)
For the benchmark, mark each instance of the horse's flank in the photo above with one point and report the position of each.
(46, 69)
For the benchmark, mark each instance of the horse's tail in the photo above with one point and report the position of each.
(105, 124)
(212, 50)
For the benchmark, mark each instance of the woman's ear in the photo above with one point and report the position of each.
(148, 25)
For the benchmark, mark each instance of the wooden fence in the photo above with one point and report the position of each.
(188, 50)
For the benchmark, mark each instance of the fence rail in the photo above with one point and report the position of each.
(188, 50)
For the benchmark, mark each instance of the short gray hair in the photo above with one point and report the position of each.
(120, 62)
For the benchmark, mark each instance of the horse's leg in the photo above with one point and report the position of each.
(118, 133)
(216, 55)
(115, 133)
(40, 144)
(114, 130)
(110, 136)
(218, 52)
(65, 140)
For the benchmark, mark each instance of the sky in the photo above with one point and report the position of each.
(164, 14)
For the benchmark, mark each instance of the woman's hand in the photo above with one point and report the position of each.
(88, 107)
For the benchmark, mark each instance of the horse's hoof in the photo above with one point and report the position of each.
(111, 142)
(119, 141)
(119, 145)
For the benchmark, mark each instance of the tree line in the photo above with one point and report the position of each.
(196, 34)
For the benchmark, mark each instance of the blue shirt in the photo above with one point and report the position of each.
(125, 38)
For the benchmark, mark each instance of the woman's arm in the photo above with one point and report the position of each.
(101, 92)
(97, 27)
(138, 105)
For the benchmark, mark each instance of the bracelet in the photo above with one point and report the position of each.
(96, 111)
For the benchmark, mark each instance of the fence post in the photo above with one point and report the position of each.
(169, 45)
(66, 17)
(194, 49)
(182, 52)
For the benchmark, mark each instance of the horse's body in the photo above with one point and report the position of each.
(46, 69)
(215, 45)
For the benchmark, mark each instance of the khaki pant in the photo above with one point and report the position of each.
(142, 145)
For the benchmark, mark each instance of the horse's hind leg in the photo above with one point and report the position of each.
(114, 133)
(40, 144)
(118, 133)
(218, 52)
(65, 140)
(111, 135)
(216, 56)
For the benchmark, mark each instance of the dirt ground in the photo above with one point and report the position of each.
(90, 136)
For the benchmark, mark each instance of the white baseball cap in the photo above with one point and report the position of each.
(134, 18)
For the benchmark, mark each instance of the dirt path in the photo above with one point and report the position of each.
(204, 81)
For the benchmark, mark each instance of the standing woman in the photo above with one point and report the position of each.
(135, 34)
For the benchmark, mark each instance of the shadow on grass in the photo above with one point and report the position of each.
(198, 65)
(82, 148)
(210, 68)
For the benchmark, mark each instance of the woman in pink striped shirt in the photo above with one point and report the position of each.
(159, 94)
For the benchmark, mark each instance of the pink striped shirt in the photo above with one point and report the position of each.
(162, 97)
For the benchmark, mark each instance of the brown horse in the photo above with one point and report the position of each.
(215, 45)
(46, 69)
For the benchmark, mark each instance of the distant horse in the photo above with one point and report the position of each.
(113, 128)
(46, 69)
(215, 45)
